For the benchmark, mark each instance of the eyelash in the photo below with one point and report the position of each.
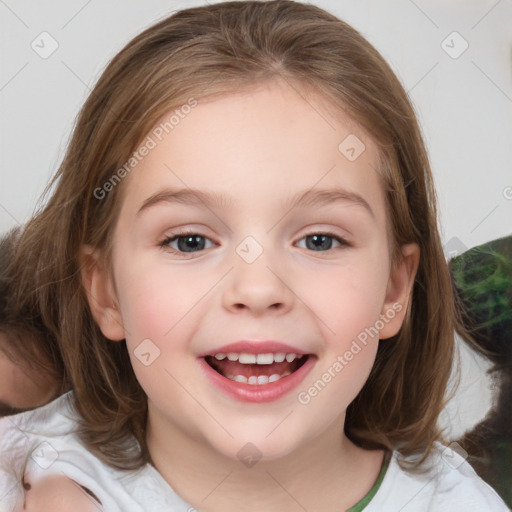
(164, 244)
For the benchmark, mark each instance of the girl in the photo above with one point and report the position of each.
(241, 262)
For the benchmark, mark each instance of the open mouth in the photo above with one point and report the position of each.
(256, 369)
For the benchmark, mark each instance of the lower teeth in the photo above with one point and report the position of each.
(255, 381)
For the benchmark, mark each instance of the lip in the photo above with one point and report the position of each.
(258, 393)
(254, 347)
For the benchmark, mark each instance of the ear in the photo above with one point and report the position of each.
(101, 295)
(399, 290)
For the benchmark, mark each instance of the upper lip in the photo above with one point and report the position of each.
(254, 347)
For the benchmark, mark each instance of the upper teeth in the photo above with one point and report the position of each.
(269, 358)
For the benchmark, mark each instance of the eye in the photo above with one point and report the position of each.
(323, 241)
(188, 242)
(185, 242)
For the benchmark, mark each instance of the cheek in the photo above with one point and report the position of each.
(157, 306)
(153, 299)
(347, 300)
(342, 379)
(348, 323)
(154, 304)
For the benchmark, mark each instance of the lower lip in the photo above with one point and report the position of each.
(258, 393)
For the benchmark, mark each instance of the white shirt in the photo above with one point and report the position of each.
(45, 438)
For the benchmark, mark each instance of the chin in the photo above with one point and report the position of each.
(256, 445)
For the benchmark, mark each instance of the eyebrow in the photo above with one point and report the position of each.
(310, 197)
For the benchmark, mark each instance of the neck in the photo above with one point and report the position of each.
(208, 480)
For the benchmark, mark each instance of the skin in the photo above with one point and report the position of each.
(56, 493)
(21, 388)
(260, 147)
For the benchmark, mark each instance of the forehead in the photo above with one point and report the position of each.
(260, 144)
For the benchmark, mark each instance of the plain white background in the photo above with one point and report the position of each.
(463, 97)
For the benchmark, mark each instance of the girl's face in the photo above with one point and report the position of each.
(285, 252)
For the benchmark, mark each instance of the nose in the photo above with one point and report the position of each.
(260, 287)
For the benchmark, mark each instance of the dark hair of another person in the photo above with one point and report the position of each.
(26, 341)
(483, 281)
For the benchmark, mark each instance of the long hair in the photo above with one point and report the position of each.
(209, 51)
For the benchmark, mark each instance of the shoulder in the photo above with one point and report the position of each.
(460, 486)
(58, 493)
(40, 444)
(56, 414)
(22, 435)
(447, 483)
(458, 483)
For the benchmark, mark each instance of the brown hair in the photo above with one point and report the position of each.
(213, 50)
(26, 341)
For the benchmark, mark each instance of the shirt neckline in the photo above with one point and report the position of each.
(364, 502)
(358, 507)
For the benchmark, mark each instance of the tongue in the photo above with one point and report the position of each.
(227, 367)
